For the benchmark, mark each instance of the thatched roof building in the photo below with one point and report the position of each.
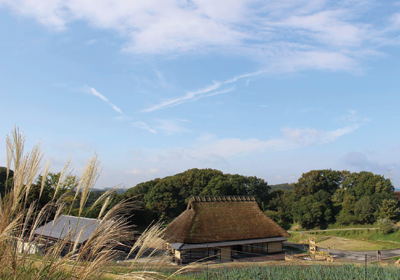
(228, 221)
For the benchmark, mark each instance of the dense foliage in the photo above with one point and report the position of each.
(317, 199)
(166, 198)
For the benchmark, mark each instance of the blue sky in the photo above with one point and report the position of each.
(261, 88)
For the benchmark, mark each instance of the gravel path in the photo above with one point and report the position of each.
(353, 255)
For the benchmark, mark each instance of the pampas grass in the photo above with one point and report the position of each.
(19, 221)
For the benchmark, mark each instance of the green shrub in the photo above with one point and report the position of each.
(386, 226)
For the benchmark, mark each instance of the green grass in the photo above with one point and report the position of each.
(338, 226)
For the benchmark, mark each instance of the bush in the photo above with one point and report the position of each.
(386, 226)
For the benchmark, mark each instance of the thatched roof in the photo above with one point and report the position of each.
(215, 219)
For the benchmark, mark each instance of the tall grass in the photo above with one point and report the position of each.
(19, 221)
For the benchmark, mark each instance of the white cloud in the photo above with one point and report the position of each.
(327, 27)
(143, 125)
(311, 136)
(94, 92)
(352, 118)
(209, 148)
(315, 34)
(147, 172)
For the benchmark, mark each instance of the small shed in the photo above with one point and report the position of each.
(223, 228)
(75, 230)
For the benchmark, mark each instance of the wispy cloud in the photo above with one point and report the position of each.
(172, 126)
(209, 148)
(91, 42)
(361, 162)
(206, 91)
(147, 172)
(143, 125)
(310, 136)
(123, 118)
(94, 92)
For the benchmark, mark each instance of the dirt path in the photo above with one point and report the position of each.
(353, 255)
(336, 229)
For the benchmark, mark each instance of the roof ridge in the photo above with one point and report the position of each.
(79, 217)
(225, 198)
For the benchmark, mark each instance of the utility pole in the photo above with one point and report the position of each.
(389, 174)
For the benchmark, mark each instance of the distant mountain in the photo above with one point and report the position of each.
(119, 191)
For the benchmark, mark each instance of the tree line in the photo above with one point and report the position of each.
(317, 199)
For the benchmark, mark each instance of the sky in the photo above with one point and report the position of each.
(268, 88)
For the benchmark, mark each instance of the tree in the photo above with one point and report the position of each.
(313, 210)
(5, 182)
(366, 191)
(366, 184)
(389, 209)
(279, 202)
(316, 180)
(312, 195)
(364, 211)
(346, 215)
(168, 197)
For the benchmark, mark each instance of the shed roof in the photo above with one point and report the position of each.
(216, 219)
(69, 225)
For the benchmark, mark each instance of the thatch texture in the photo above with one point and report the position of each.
(213, 219)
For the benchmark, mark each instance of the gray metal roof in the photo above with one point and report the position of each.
(181, 246)
(69, 225)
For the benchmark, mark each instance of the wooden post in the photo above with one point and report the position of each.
(365, 268)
